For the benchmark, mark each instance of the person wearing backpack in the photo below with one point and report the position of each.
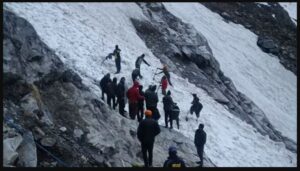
(196, 106)
(173, 160)
(175, 115)
(147, 130)
(121, 96)
(111, 92)
(151, 99)
(103, 84)
(168, 106)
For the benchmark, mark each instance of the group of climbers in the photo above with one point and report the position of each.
(148, 127)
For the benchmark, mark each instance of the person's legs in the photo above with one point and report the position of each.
(114, 102)
(102, 97)
(150, 151)
(144, 152)
(121, 107)
(177, 121)
(109, 98)
(118, 66)
(166, 118)
(200, 154)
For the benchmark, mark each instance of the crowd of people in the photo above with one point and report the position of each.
(117, 94)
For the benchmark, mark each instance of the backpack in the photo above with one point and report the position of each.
(175, 111)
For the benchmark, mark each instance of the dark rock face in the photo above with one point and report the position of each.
(42, 96)
(186, 52)
(276, 31)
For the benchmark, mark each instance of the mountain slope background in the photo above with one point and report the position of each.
(249, 97)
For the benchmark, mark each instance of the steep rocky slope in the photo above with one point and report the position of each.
(188, 54)
(52, 109)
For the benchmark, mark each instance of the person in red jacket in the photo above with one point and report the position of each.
(164, 84)
(134, 96)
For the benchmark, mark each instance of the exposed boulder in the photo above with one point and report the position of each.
(10, 146)
(27, 151)
(267, 45)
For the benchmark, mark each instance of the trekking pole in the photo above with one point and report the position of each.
(154, 74)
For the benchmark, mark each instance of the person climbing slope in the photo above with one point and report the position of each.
(200, 140)
(140, 113)
(136, 73)
(168, 106)
(134, 96)
(164, 84)
(166, 72)
(139, 61)
(146, 132)
(121, 96)
(175, 115)
(111, 92)
(173, 160)
(103, 84)
(196, 106)
(151, 99)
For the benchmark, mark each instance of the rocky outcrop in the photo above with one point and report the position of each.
(275, 29)
(62, 117)
(186, 52)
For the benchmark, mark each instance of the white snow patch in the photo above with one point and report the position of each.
(83, 33)
(254, 73)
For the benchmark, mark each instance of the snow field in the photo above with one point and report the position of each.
(261, 77)
(82, 34)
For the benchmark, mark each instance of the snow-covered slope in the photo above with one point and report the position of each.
(260, 77)
(83, 33)
(291, 8)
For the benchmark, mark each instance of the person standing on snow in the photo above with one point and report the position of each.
(151, 99)
(103, 84)
(173, 160)
(146, 132)
(164, 84)
(136, 73)
(140, 113)
(200, 140)
(121, 96)
(111, 92)
(166, 72)
(168, 106)
(134, 96)
(117, 55)
(175, 115)
(196, 106)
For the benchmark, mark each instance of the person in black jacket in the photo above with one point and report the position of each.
(136, 73)
(173, 160)
(196, 106)
(139, 61)
(200, 140)
(103, 84)
(151, 99)
(146, 132)
(121, 91)
(117, 55)
(140, 114)
(111, 92)
(168, 105)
